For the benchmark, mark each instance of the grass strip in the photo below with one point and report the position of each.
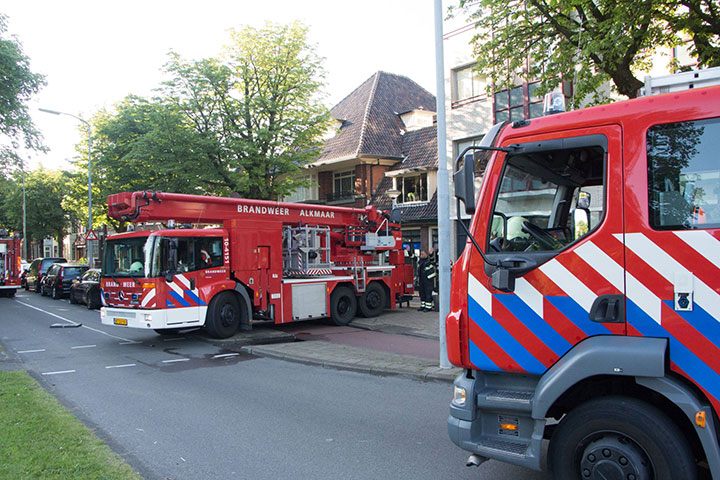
(40, 439)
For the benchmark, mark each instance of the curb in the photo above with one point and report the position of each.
(417, 369)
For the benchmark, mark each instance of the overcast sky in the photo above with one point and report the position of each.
(94, 53)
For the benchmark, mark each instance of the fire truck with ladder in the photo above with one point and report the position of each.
(10, 269)
(261, 260)
(585, 308)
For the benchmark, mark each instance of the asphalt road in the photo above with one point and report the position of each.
(185, 408)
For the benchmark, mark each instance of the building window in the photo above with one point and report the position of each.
(467, 84)
(344, 184)
(518, 103)
(412, 189)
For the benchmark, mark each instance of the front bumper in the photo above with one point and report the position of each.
(184, 317)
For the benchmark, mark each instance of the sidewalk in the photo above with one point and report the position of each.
(402, 321)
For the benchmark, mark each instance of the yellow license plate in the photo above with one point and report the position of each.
(120, 321)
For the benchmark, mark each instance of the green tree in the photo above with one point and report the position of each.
(257, 110)
(17, 85)
(588, 41)
(45, 215)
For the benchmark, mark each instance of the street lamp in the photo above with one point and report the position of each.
(89, 242)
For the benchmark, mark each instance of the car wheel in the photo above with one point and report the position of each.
(56, 293)
(73, 298)
(373, 301)
(619, 437)
(223, 315)
(343, 306)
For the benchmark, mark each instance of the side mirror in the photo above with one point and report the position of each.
(464, 180)
(169, 276)
(583, 200)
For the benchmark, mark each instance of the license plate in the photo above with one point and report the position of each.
(120, 321)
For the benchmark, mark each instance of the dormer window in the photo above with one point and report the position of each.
(412, 188)
(417, 119)
(333, 129)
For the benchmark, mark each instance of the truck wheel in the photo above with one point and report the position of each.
(343, 306)
(619, 437)
(373, 301)
(223, 316)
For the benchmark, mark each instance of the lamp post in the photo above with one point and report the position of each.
(89, 131)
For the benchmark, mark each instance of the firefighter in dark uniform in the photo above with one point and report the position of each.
(426, 273)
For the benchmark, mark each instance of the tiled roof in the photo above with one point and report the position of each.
(420, 150)
(371, 125)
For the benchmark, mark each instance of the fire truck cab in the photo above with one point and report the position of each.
(585, 306)
(10, 262)
(262, 260)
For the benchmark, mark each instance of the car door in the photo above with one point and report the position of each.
(552, 225)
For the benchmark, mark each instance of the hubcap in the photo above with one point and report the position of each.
(615, 457)
(227, 315)
(373, 300)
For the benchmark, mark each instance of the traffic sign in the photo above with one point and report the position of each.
(91, 235)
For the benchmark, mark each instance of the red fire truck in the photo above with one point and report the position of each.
(262, 260)
(585, 307)
(10, 269)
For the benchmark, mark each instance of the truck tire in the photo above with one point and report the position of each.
(343, 306)
(373, 301)
(619, 437)
(223, 316)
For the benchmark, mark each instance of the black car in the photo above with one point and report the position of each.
(86, 289)
(60, 277)
(38, 268)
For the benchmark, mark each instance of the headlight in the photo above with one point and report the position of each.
(459, 396)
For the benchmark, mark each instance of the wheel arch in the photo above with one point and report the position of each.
(241, 292)
(632, 367)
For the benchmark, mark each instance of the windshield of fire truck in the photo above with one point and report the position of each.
(128, 257)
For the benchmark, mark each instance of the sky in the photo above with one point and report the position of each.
(94, 53)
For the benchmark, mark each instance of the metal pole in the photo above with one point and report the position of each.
(88, 241)
(89, 130)
(443, 189)
(25, 241)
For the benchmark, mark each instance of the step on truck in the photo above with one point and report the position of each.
(585, 308)
(10, 265)
(252, 260)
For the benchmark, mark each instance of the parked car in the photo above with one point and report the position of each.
(59, 279)
(86, 289)
(38, 268)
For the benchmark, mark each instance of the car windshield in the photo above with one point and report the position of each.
(128, 257)
(72, 272)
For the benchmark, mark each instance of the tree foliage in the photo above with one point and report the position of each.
(242, 122)
(588, 41)
(44, 194)
(17, 85)
(256, 109)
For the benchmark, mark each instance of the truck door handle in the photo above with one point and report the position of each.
(192, 284)
(608, 309)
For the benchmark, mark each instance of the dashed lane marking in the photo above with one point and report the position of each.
(58, 373)
(176, 360)
(83, 346)
(122, 366)
(32, 351)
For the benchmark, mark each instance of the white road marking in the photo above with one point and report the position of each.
(58, 373)
(130, 342)
(72, 322)
(122, 366)
(176, 360)
(225, 355)
(83, 346)
(32, 351)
